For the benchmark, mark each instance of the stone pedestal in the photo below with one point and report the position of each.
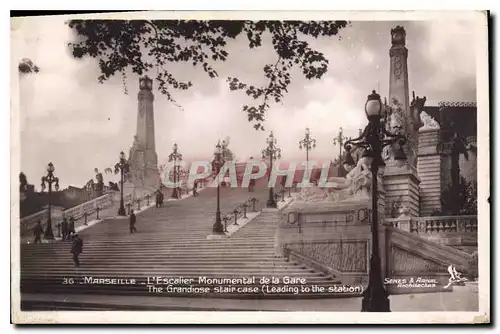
(401, 185)
(429, 171)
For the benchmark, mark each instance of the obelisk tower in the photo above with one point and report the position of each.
(143, 157)
(399, 94)
(401, 182)
(398, 82)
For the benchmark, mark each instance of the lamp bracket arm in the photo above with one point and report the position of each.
(358, 142)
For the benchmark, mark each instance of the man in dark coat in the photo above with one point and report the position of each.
(132, 222)
(251, 185)
(71, 227)
(64, 229)
(159, 198)
(195, 188)
(37, 232)
(76, 249)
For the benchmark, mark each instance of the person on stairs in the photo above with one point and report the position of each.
(37, 232)
(76, 249)
(158, 198)
(132, 222)
(195, 188)
(71, 227)
(64, 229)
(251, 186)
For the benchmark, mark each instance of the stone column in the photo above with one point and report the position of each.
(429, 171)
(401, 184)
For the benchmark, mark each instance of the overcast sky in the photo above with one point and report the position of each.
(78, 124)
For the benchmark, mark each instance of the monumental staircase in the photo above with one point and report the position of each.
(171, 242)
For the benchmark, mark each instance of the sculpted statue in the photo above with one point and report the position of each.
(135, 147)
(428, 122)
(356, 185)
(312, 194)
(416, 108)
(404, 211)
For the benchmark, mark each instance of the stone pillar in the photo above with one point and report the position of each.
(429, 171)
(401, 184)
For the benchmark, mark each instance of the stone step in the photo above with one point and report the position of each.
(171, 242)
(166, 267)
(152, 249)
(175, 262)
(160, 246)
(222, 272)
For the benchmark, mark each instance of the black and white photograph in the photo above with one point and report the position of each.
(323, 164)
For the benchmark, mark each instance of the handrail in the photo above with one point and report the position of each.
(27, 223)
(239, 212)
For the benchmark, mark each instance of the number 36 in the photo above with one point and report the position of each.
(68, 281)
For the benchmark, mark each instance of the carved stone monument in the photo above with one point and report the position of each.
(143, 159)
(401, 181)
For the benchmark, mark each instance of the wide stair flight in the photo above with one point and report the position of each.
(172, 243)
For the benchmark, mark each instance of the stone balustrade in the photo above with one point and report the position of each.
(459, 232)
(99, 202)
(435, 224)
(29, 222)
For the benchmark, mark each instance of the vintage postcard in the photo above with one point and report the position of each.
(250, 167)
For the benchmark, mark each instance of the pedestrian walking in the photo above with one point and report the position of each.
(37, 232)
(251, 185)
(195, 188)
(132, 222)
(158, 200)
(64, 229)
(76, 249)
(71, 227)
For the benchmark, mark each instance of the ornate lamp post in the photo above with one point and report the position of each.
(307, 143)
(373, 139)
(175, 156)
(340, 140)
(217, 164)
(49, 179)
(122, 167)
(272, 152)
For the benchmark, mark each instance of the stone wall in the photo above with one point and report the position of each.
(338, 237)
(337, 242)
(429, 171)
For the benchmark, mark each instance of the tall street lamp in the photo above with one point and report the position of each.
(272, 153)
(49, 179)
(307, 143)
(217, 164)
(175, 156)
(373, 139)
(122, 167)
(340, 140)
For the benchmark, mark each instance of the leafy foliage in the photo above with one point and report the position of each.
(141, 45)
(462, 200)
(23, 182)
(27, 66)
